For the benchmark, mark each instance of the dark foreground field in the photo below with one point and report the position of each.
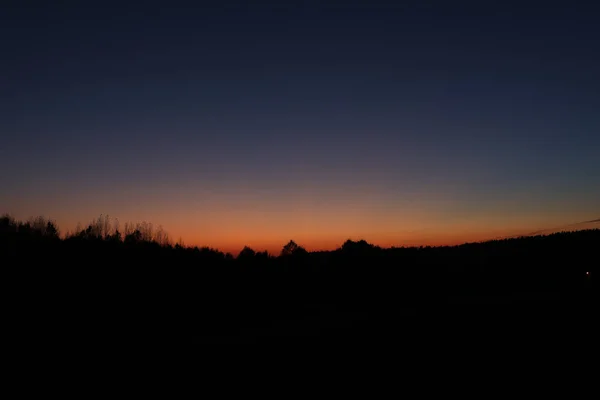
(488, 321)
(415, 321)
(103, 290)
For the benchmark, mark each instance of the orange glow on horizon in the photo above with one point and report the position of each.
(316, 219)
(233, 244)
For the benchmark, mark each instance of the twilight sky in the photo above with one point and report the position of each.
(253, 123)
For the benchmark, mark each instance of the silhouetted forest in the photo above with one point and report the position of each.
(104, 279)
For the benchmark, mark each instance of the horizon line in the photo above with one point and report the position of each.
(556, 229)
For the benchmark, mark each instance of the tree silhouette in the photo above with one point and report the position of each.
(360, 246)
(51, 230)
(133, 237)
(246, 254)
(289, 249)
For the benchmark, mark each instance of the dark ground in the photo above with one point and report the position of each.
(94, 291)
(516, 318)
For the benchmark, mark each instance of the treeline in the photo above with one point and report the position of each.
(138, 272)
(38, 230)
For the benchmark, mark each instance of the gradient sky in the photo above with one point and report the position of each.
(234, 124)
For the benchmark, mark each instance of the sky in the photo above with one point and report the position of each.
(253, 123)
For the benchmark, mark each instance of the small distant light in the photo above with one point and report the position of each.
(587, 273)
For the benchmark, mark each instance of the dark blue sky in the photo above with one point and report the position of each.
(368, 119)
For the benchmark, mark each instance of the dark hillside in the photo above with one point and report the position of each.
(120, 286)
